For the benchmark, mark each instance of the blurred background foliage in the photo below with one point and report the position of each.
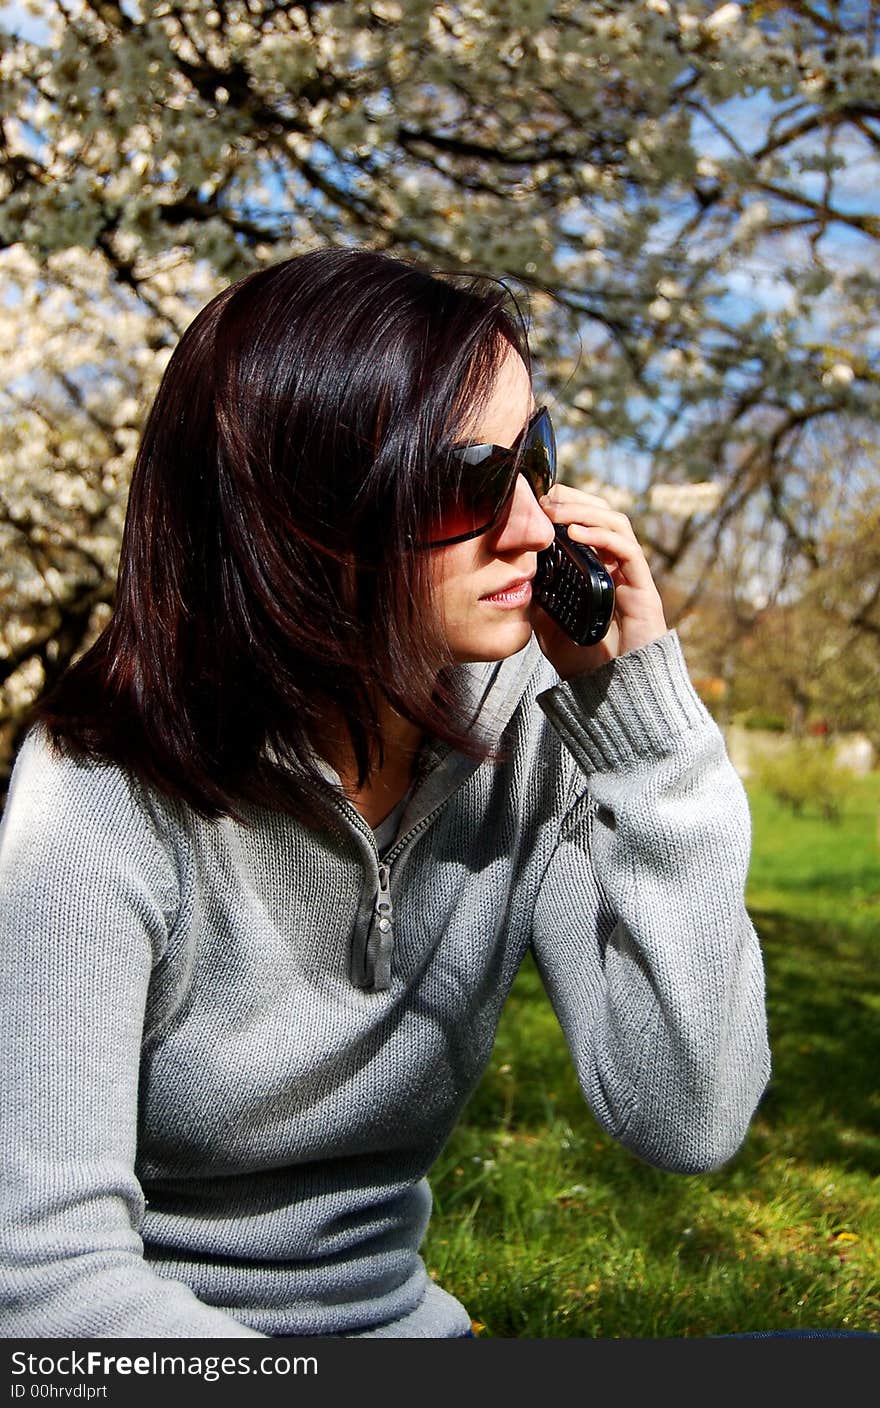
(683, 196)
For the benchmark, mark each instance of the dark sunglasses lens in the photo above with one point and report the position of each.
(538, 461)
(472, 503)
(481, 488)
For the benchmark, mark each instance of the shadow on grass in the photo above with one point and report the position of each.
(863, 881)
(571, 1236)
(823, 1004)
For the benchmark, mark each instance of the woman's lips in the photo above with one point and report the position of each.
(517, 594)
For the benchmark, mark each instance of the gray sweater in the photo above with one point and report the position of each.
(231, 1054)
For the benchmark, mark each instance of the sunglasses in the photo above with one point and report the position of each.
(478, 497)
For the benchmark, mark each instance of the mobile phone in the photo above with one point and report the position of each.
(575, 588)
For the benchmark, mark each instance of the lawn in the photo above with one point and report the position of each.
(545, 1227)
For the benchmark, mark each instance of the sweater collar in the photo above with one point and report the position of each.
(487, 693)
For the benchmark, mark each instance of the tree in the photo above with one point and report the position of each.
(682, 194)
(790, 619)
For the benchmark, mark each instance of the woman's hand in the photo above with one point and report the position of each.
(638, 611)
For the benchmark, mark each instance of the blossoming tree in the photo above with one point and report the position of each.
(684, 194)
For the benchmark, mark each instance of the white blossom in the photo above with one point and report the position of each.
(839, 374)
(669, 288)
(660, 309)
(723, 18)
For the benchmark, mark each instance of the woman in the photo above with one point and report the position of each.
(275, 847)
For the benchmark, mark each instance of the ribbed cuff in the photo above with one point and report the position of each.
(636, 706)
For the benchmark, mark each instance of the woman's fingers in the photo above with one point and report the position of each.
(621, 545)
(566, 505)
(590, 519)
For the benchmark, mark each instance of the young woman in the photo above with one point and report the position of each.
(276, 845)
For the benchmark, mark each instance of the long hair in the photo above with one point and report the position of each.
(267, 577)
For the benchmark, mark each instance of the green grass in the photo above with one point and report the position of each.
(545, 1227)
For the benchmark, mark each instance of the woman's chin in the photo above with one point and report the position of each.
(495, 642)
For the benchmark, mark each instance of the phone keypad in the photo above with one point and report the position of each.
(579, 597)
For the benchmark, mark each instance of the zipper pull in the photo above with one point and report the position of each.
(381, 941)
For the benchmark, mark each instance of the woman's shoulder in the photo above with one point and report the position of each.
(88, 885)
(71, 811)
(45, 770)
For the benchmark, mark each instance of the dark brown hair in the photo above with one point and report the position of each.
(267, 574)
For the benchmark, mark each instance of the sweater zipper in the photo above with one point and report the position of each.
(378, 946)
(377, 950)
(380, 940)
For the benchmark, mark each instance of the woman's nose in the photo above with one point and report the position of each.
(525, 525)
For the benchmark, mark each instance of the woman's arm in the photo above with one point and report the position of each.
(640, 928)
(85, 900)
